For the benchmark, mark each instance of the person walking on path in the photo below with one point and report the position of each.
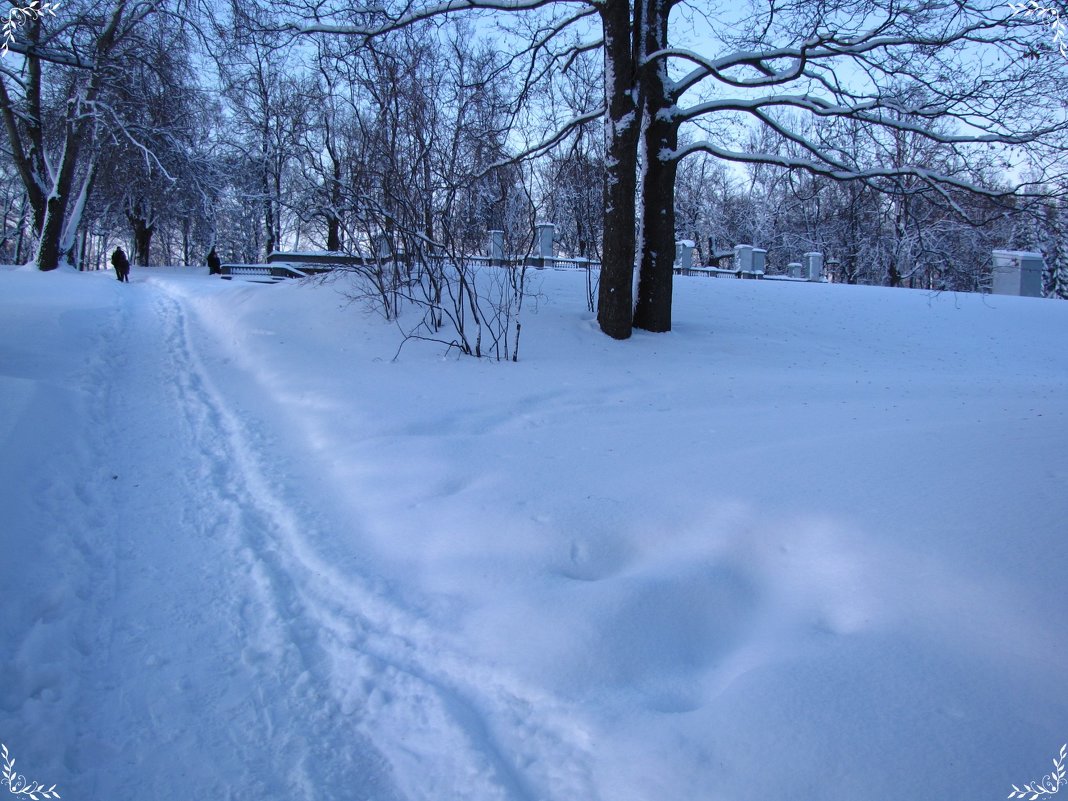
(121, 265)
(214, 265)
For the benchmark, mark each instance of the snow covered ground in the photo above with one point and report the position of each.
(810, 545)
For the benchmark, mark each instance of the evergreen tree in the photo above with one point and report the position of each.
(1054, 244)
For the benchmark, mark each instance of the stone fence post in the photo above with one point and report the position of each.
(813, 265)
(684, 255)
(743, 258)
(760, 260)
(546, 233)
(496, 248)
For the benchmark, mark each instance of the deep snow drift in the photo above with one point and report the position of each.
(809, 545)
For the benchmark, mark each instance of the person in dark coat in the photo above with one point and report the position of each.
(121, 264)
(214, 265)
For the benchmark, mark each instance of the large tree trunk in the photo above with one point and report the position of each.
(79, 121)
(276, 234)
(653, 309)
(22, 233)
(51, 245)
(186, 244)
(268, 205)
(660, 137)
(25, 132)
(69, 238)
(49, 210)
(333, 233)
(615, 306)
(142, 232)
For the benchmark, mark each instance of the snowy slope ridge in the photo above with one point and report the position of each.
(811, 544)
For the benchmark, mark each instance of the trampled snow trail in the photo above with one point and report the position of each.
(221, 656)
(190, 687)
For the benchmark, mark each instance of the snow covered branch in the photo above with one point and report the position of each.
(410, 15)
(829, 168)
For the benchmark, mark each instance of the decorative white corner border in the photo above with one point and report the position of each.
(21, 14)
(1051, 784)
(17, 784)
(1047, 15)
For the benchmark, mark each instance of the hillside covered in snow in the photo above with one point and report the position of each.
(809, 545)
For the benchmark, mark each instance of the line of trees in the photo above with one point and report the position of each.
(891, 136)
(176, 131)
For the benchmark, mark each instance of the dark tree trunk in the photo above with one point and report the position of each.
(76, 129)
(276, 234)
(333, 222)
(653, 309)
(142, 232)
(186, 244)
(333, 233)
(83, 251)
(25, 132)
(615, 306)
(268, 206)
(50, 246)
(22, 233)
(428, 205)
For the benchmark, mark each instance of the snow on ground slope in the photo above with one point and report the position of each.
(808, 545)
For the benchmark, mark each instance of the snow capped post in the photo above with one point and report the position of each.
(743, 259)
(546, 232)
(684, 255)
(384, 247)
(813, 265)
(793, 269)
(1017, 272)
(496, 248)
(760, 260)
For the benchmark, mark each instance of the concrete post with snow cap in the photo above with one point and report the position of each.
(743, 258)
(760, 260)
(684, 255)
(813, 262)
(793, 269)
(496, 248)
(385, 248)
(546, 233)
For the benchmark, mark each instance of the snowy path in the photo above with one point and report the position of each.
(210, 632)
(202, 648)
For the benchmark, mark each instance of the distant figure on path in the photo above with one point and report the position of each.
(121, 265)
(214, 265)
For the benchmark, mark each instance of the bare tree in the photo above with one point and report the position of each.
(426, 130)
(879, 63)
(267, 98)
(55, 154)
(152, 127)
(556, 36)
(1053, 242)
(15, 211)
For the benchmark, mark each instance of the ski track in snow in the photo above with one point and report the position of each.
(223, 634)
